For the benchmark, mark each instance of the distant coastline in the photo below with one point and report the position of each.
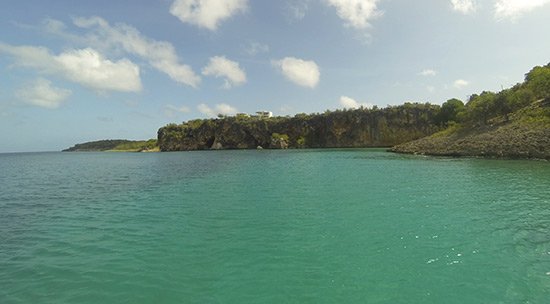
(513, 123)
(116, 145)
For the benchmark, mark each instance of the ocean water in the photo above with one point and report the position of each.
(296, 226)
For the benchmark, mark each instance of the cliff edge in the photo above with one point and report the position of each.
(332, 129)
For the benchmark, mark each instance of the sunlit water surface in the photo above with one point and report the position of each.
(302, 226)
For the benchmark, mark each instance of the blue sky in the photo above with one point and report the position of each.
(75, 71)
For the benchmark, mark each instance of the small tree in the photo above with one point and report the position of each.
(450, 111)
(479, 107)
(538, 81)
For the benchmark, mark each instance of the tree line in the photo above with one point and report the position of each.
(481, 108)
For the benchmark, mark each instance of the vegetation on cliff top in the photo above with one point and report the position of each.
(512, 123)
(115, 145)
(341, 128)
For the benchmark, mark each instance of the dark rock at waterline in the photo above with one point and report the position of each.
(348, 128)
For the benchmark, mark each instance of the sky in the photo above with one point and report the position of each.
(77, 71)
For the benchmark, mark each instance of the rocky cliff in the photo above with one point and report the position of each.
(342, 128)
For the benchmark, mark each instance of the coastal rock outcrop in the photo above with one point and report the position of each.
(342, 128)
(278, 143)
(216, 146)
(525, 135)
(512, 123)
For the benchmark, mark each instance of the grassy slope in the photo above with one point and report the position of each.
(116, 146)
(137, 146)
(525, 135)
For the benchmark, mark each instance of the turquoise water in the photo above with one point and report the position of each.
(304, 226)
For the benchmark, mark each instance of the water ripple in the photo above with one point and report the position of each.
(344, 226)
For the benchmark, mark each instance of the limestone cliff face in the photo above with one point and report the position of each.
(349, 128)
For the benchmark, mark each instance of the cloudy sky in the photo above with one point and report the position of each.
(75, 71)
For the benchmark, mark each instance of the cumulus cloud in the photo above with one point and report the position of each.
(83, 66)
(90, 69)
(171, 110)
(41, 93)
(221, 108)
(121, 37)
(350, 103)
(356, 13)
(302, 72)
(428, 72)
(460, 83)
(513, 9)
(464, 6)
(207, 13)
(219, 66)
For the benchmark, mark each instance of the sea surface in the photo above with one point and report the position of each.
(295, 226)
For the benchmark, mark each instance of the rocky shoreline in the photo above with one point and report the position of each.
(525, 142)
(520, 138)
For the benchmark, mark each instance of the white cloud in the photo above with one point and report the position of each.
(53, 26)
(219, 66)
(460, 83)
(350, 103)
(513, 9)
(90, 69)
(356, 13)
(254, 48)
(30, 56)
(297, 9)
(160, 54)
(206, 110)
(301, 72)
(464, 6)
(221, 108)
(84, 66)
(207, 13)
(41, 93)
(430, 89)
(428, 72)
(225, 109)
(171, 110)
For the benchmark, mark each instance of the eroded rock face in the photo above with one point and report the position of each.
(351, 128)
(216, 146)
(278, 143)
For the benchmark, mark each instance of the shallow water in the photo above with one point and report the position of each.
(301, 226)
